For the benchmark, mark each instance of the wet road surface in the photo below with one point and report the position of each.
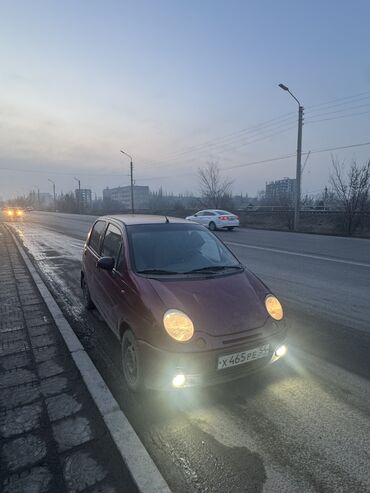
(301, 425)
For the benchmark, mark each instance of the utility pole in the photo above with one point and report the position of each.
(298, 170)
(131, 181)
(79, 196)
(297, 201)
(55, 200)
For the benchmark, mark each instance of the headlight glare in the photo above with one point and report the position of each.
(273, 307)
(178, 325)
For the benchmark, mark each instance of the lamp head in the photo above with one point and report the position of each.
(285, 88)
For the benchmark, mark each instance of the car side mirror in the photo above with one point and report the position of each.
(105, 263)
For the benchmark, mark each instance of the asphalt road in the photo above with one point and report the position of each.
(302, 425)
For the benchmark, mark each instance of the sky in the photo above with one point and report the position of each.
(177, 84)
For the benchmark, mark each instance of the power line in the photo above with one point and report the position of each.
(354, 96)
(64, 173)
(287, 156)
(338, 117)
(242, 143)
(339, 148)
(226, 140)
(340, 110)
(310, 112)
(231, 146)
(224, 143)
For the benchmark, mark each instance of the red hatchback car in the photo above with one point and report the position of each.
(185, 310)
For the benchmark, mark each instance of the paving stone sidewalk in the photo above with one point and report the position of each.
(52, 438)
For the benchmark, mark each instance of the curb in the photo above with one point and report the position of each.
(143, 470)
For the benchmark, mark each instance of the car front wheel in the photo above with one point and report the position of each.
(131, 363)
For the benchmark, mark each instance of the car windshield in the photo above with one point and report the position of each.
(177, 249)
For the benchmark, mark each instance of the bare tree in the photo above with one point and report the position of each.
(351, 189)
(215, 190)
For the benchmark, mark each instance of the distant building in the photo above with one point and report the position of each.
(84, 198)
(44, 198)
(280, 190)
(122, 195)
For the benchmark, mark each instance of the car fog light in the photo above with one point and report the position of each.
(281, 351)
(178, 380)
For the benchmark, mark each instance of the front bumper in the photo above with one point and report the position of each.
(200, 368)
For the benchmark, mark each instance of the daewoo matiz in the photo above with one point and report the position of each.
(185, 310)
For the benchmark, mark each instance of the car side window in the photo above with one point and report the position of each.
(112, 242)
(120, 260)
(95, 235)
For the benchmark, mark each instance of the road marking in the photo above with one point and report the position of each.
(142, 468)
(308, 255)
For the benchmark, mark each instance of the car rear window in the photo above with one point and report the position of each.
(96, 235)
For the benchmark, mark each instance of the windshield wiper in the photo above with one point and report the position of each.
(158, 272)
(215, 268)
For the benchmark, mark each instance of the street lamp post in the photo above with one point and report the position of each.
(38, 196)
(79, 195)
(297, 201)
(55, 202)
(132, 181)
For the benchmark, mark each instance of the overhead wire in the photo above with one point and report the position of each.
(314, 151)
(224, 143)
(229, 139)
(338, 117)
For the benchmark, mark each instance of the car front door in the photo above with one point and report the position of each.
(106, 280)
(121, 294)
(91, 256)
(200, 217)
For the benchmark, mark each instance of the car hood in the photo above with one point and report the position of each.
(218, 305)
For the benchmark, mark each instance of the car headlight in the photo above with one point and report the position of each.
(19, 213)
(9, 212)
(273, 307)
(178, 325)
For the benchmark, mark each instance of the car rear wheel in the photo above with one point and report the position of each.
(131, 363)
(212, 226)
(88, 302)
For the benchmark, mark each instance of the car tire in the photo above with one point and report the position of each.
(230, 228)
(131, 362)
(212, 226)
(88, 302)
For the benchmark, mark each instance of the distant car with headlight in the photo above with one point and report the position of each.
(185, 310)
(13, 212)
(215, 219)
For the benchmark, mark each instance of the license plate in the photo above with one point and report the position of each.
(235, 359)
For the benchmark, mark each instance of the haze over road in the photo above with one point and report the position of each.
(300, 426)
